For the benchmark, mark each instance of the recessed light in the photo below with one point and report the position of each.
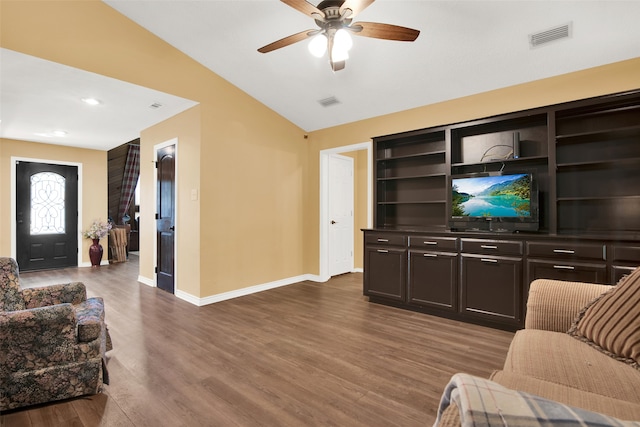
(91, 101)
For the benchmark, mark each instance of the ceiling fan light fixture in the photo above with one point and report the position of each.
(342, 40)
(338, 54)
(318, 45)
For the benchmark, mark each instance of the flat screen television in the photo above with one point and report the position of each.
(494, 202)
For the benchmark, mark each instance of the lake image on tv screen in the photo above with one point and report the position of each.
(492, 196)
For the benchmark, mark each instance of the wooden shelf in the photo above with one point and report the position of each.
(582, 137)
(416, 202)
(599, 163)
(596, 198)
(397, 178)
(518, 160)
(410, 156)
(589, 114)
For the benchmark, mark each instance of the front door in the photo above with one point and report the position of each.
(46, 216)
(340, 214)
(165, 221)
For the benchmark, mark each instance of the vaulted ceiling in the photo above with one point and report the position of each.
(464, 48)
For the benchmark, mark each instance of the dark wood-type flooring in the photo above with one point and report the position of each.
(300, 355)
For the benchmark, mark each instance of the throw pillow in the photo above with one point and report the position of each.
(611, 323)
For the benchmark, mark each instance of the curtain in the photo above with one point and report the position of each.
(129, 181)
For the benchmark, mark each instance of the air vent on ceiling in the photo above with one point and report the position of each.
(550, 35)
(155, 105)
(328, 102)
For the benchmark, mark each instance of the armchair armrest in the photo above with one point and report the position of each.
(72, 293)
(554, 304)
(37, 338)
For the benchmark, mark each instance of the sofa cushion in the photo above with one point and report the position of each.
(569, 395)
(611, 323)
(557, 357)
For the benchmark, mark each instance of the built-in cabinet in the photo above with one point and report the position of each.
(585, 156)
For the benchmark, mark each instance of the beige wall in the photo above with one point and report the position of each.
(94, 184)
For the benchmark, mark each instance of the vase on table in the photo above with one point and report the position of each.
(95, 253)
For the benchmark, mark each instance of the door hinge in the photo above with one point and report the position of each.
(157, 216)
(156, 163)
(156, 269)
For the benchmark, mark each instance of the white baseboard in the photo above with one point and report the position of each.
(147, 281)
(358, 270)
(245, 291)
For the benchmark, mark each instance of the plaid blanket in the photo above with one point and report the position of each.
(485, 403)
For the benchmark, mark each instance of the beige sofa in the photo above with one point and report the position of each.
(544, 360)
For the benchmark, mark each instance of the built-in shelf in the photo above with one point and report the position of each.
(394, 178)
(414, 202)
(594, 135)
(408, 156)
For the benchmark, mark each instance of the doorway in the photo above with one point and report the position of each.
(166, 155)
(341, 216)
(325, 220)
(46, 214)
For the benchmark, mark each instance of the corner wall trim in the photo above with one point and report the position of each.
(212, 299)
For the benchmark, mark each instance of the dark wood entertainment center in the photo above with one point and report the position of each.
(585, 156)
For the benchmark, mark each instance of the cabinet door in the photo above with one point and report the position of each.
(569, 271)
(433, 279)
(492, 288)
(384, 272)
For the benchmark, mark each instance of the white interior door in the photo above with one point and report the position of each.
(340, 214)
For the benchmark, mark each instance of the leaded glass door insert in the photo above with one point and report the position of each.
(47, 203)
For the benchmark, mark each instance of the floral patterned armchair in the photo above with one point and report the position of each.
(53, 341)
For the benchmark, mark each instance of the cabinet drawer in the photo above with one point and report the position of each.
(491, 247)
(626, 254)
(568, 271)
(566, 250)
(385, 239)
(434, 243)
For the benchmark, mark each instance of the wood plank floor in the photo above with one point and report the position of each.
(305, 354)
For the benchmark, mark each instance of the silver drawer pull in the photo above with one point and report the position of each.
(383, 240)
(488, 247)
(563, 267)
(488, 260)
(564, 251)
(430, 255)
(430, 243)
(383, 251)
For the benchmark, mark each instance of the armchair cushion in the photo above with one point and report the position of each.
(73, 293)
(611, 323)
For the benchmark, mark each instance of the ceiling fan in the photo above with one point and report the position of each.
(334, 17)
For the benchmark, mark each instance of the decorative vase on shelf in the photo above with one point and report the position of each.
(95, 253)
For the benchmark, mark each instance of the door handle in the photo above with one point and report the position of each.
(172, 228)
(333, 222)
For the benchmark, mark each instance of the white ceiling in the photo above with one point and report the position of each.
(465, 47)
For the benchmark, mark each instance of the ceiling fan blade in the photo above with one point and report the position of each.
(356, 6)
(384, 31)
(337, 66)
(304, 7)
(294, 38)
